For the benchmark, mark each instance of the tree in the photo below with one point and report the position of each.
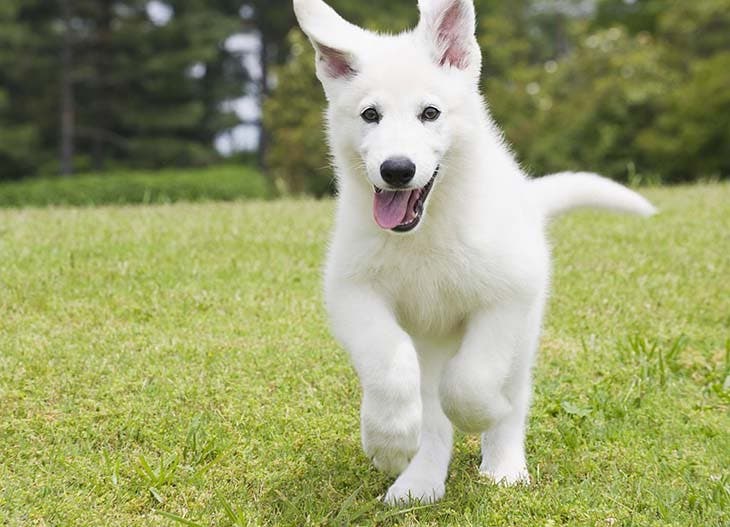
(297, 159)
(18, 143)
(180, 74)
(691, 136)
(634, 16)
(68, 100)
(271, 19)
(99, 83)
(26, 89)
(638, 95)
(591, 109)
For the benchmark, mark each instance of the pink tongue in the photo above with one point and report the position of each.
(390, 208)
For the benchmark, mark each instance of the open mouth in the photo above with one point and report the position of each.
(401, 210)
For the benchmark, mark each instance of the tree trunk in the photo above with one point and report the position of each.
(68, 110)
(100, 85)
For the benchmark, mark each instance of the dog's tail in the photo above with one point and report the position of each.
(560, 193)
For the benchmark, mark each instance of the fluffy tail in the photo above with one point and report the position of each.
(559, 193)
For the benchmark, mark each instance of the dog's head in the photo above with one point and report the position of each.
(396, 103)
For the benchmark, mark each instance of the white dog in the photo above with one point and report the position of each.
(439, 268)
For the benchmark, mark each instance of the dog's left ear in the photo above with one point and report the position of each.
(449, 26)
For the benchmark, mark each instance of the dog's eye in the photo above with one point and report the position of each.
(430, 114)
(370, 115)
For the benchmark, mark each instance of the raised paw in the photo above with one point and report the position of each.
(471, 399)
(407, 490)
(391, 434)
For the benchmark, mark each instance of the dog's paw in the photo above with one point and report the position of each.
(506, 474)
(390, 436)
(391, 448)
(408, 490)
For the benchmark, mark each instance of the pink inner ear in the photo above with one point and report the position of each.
(337, 62)
(451, 35)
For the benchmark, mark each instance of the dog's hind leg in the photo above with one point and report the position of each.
(425, 477)
(503, 445)
(472, 385)
(485, 387)
(386, 362)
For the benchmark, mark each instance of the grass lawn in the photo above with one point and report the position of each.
(171, 365)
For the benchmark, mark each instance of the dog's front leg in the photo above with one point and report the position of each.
(386, 362)
(425, 477)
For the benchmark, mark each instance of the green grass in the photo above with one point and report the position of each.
(221, 183)
(171, 365)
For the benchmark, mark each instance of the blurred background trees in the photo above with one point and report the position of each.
(636, 89)
(96, 84)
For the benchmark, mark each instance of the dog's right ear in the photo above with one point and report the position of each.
(334, 39)
(449, 26)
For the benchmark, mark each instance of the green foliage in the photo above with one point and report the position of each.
(18, 144)
(636, 91)
(588, 110)
(185, 349)
(222, 183)
(692, 135)
(297, 157)
(19, 137)
(641, 95)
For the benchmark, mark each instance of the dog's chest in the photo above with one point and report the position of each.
(433, 289)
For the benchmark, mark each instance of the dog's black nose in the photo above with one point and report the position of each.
(397, 171)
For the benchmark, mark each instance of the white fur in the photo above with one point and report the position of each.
(442, 323)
